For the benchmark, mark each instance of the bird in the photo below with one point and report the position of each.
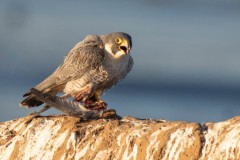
(91, 67)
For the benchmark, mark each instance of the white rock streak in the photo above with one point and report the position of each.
(153, 144)
(131, 153)
(220, 145)
(64, 137)
(179, 140)
(105, 154)
(82, 152)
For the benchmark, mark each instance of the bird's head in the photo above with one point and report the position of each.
(118, 44)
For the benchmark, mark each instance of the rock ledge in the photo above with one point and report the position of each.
(64, 137)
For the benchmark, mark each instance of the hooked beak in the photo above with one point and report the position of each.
(125, 47)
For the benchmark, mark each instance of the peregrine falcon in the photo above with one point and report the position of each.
(91, 67)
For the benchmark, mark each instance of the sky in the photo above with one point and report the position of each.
(186, 53)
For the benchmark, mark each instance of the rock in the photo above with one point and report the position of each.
(65, 137)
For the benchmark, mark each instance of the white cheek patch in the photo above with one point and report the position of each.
(117, 55)
(108, 48)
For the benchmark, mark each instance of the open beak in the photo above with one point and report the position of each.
(125, 47)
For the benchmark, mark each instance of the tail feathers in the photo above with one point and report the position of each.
(30, 101)
(27, 94)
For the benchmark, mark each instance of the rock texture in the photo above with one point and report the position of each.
(64, 137)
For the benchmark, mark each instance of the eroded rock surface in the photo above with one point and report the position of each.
(64, 137)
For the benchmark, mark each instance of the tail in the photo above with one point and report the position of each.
(30, 101)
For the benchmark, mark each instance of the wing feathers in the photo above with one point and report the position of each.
(81, 59)
(85, 56)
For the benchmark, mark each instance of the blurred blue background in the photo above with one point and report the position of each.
(186, 53)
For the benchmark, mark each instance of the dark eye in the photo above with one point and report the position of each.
(118, 40)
